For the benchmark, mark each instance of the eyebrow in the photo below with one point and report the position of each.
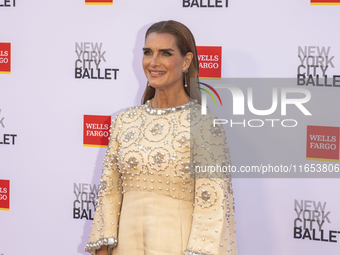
(160, 49)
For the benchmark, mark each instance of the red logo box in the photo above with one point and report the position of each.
(210, 59)
(322, 143)
(98, 2)
(96, 130)
(325, 2)
(4, 195)
(5, 58)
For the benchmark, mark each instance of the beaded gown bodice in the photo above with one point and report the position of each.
(150, 150)
(155, 152)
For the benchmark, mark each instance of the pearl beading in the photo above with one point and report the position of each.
(165, 111)
(110, 242)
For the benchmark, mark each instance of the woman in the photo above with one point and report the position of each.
(146, 184)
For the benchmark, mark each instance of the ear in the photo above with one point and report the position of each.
(187, 60)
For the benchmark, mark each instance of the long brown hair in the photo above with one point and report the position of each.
(185, 41)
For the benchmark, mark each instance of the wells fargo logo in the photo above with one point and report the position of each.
(322, 143)
(325, 2)
(4, 195)
(98, 2)
(210, 59)
(96, 130)
(5, 58)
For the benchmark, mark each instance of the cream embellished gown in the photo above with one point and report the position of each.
(148, 202)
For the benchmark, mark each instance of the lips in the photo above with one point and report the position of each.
(152, 72)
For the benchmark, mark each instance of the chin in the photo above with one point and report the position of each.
(157, 85)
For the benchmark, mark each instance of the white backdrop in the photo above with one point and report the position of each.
(43, 104)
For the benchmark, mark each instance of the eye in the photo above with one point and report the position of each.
(166, 53)
(147, 53)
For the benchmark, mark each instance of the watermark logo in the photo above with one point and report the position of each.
(96, 130)
(204, 96)
(260, 97)
(322, 143)
(98, 2)
(238, 100)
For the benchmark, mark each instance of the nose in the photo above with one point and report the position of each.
(154, 60)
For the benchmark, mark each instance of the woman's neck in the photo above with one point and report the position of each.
(167, 99)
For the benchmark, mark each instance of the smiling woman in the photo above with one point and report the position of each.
(163, 63)
(146, 185)
(171, 50)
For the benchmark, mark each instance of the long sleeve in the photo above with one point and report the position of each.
(105, 224)
(213, 224)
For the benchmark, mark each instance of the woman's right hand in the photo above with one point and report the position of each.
(102, 251)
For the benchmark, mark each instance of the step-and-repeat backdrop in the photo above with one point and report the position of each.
(68, 67)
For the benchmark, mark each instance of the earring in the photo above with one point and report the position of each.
(148, 84)
(185, 77)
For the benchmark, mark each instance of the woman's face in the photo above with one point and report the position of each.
(163, 63)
